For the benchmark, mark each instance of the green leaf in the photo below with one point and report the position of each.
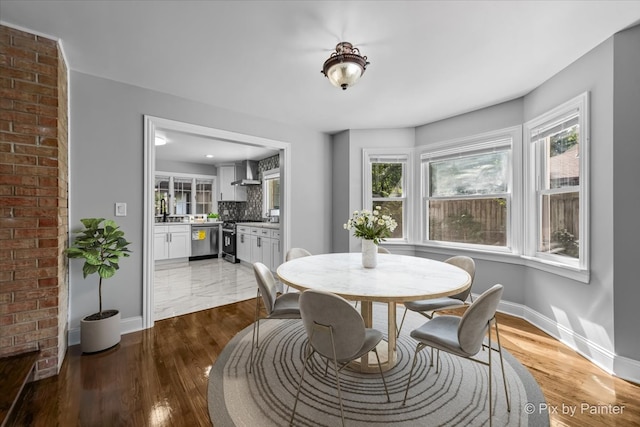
(88, 269)
(106, 271)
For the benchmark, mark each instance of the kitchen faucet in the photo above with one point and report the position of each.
(163, 209)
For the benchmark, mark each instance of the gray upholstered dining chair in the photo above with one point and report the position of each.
(464, 336)
(285, 306)
(429, 307)
(294, 253)
(336, 331)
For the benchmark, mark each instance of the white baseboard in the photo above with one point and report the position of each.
(628, 369)
(127, 325)
(622, 367)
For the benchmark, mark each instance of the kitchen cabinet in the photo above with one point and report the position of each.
(228, 192)
(261, 245)
(276, 250)
(256, 248)
(171, 242)
(243, 244)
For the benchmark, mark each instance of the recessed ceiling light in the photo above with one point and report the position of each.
(209, 156)
(160, 140)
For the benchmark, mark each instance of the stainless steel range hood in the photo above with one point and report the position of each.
(247, 173)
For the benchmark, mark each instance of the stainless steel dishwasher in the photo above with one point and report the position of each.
(204, 240)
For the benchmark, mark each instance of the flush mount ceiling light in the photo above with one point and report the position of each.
(345, 66)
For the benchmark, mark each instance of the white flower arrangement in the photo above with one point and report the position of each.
(371, 225)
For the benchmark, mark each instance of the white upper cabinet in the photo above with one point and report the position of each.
(228, 192)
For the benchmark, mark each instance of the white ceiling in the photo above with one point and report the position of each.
(429, 59)
(199, 146)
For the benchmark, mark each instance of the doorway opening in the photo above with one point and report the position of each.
(153, 127)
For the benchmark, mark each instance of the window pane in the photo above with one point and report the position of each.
(161, 193)
(562, 159)
(479, 221)
(273, 193)
(394, 209)
(560, 231)
(386, 180)
(479, 174)
(204, 196)
(182, 196)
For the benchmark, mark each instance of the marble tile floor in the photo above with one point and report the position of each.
(199, 285)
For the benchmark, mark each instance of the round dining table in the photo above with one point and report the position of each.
(395, 279)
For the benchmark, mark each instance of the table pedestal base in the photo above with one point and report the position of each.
(369, 363)
(386, 349)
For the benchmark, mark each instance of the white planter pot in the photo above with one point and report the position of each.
(369, 254)
(98, 335)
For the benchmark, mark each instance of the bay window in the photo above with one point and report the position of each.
(386, 181)
(467, 192)
(556, 185)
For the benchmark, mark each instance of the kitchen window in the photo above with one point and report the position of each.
(467, 192)
(182, 195)
(557, 208)
(161, 196)
(271, 192)
(204, 196)
(386, 182)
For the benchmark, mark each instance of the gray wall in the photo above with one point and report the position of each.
(340, 185)
(185, 167)
(626, 192)
(487, 119)
(106, 166)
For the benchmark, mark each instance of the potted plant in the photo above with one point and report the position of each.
(101, 246)
(212, 217)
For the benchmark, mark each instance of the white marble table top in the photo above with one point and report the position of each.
(396, 278)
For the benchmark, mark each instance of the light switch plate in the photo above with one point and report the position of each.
(121, 209)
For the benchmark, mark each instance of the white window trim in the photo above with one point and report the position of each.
(511, 136)
(193, 177)
(575, 269)
(408, 184)
(270, 174)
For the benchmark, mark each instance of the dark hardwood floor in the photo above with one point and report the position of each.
(158, 377)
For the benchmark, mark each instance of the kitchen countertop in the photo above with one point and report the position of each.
(272, 225)
(189, 223)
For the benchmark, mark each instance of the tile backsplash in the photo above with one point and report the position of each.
(251, 209)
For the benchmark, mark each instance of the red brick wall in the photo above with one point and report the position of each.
(33, 198)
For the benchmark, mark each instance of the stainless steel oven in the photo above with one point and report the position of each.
(229, 241)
